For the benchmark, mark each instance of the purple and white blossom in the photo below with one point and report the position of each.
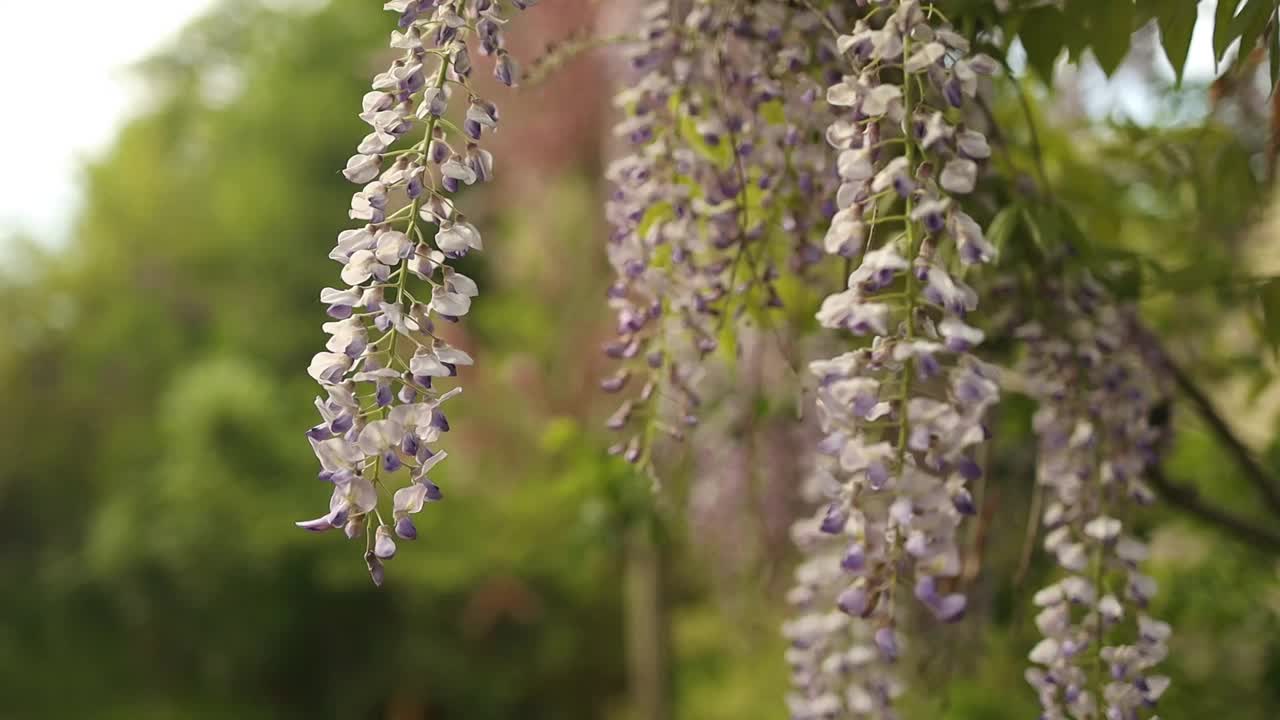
(719, 177)
(382, 411)
(903, 414)
(1096, 387)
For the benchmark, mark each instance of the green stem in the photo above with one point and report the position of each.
(414, 207)
(908, 105)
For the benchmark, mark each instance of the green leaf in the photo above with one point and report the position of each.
(661, 259)
(1249, 24)
(1111, 27)
(1125, 275)
(1041, 32)
(1222, 35)
(655, 213)
(1002, 226)
(773, 113)
(720, 154)
(1033, 227)
(1177, 21)
(1273, 57)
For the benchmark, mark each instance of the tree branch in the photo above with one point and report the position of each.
(1253, 470)
(1188, 499)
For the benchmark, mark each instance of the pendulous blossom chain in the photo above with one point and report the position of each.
(1097, 389)
(903, 416)
(381, 408)
(712, 204)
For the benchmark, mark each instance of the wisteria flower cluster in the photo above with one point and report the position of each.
(903, 416)
(381, 410)
(717, 123)
(1097, 389)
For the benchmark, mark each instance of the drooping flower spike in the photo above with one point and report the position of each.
(713, 203)
(1092, 370)
(381, 409)
(902, 416)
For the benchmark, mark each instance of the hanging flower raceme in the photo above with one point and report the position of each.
(644, 186)
(1097, 390)
(717, 142)
(841, 667)
(381, 409)
(902, 416)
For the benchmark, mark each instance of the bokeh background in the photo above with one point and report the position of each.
(156, 323)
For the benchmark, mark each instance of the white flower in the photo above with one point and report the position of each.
(850, 193)
(1051, 595)
(362, 168)
(959, 336)
(854, 165)
(881, 99)
(844, 93)
(380, 435)
(459, 283)
(384, 547)
(878, 266)
(359, 268)
(456, 170)
(333, 296)
(924, 57)
(1110, 608)
(1045, 652)
(970, 240)
(328, 367)
(481, 115)
(935, 129)
(393, 246)
(1102, 528)
(842, 133)
(374, 143)
(410, 499)
(1156, 685)
(375, 101)
(449, 303)
(847, 310)
(349, 241)
(451, 355)
(414, 417)
(458, 237)
(847, 233)
(959, 176)
(336, 454)
(886, 44)
(948, 293)
(408, 40)
(349, 334)
(434, 102)
(885, 179)
(427, 364)
(370, 203)
(1072, 556)
(358, 495)
(973, 144)
(1154, 631)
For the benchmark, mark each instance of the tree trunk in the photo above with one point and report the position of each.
(647, 631)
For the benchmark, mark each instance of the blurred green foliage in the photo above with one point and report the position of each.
(152, 460)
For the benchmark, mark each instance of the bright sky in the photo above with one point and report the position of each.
(65, 90)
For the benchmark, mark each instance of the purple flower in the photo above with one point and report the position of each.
(382, 409)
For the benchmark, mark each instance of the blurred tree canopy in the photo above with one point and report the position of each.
(153, 459)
